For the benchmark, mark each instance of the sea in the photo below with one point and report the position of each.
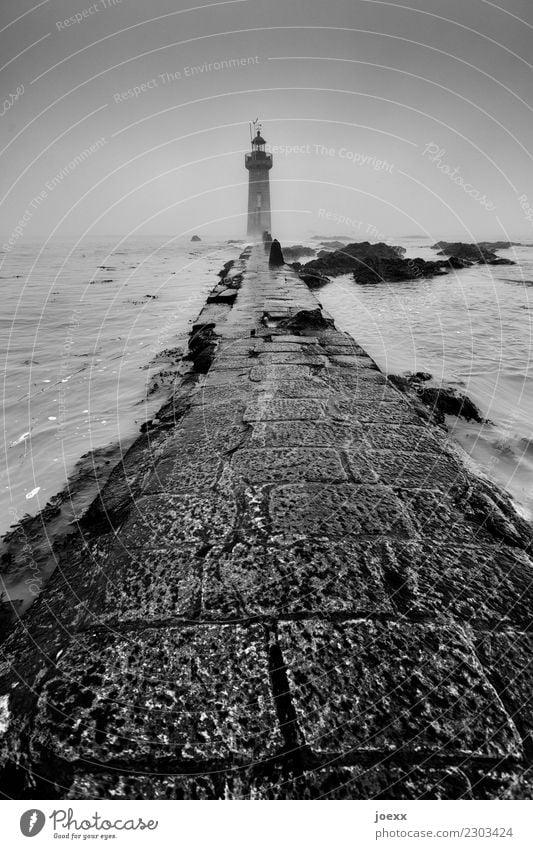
(91, 333)
(90, 337)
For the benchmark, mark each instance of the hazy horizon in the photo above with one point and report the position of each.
(404, 119)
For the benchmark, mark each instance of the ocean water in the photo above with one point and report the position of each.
(81, 331)
(471, 329)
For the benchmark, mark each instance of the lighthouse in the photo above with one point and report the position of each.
(258, 164)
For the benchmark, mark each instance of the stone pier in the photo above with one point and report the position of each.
(290, 588)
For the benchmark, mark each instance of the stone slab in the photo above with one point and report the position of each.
(507, 659)
(301, 358)
(187, 468)
(337, 435)
(188, 694)
(412, 470)
(408, 438)
(278, 577)
(392, 686)
(340, 511)
(173, 520)
(486, 586)
(146, 586)
(282, 372)
(438, 518)
(275, 465)
(284, 409)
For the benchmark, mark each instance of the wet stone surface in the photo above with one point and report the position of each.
(415, 471)
(337, 434)
(434, 695)
(279, 577)
(193, 694)
(290, 588)
(335, 512)
(271, 465)
(203, 516)
(281, 410)
(149, 585)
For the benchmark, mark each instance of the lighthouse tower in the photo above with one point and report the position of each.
(258, 163)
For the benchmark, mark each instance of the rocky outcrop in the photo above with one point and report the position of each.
(470, 254)
(369, 264)
(441, 401)
(196, 239)
(498, 246)
(334, 245)
(293, 252)
(376, 270)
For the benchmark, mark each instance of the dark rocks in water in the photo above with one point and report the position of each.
(196, 239)
(370, 262)
(471, 253)
(441, 401)
(445, 401)
(375, 270)
(276, 255)
(498, 246)
(456, 262)
(334, 245)
(295, 251)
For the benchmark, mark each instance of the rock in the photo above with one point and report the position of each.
(276, 254)
(196, 239)
(447, 401)
(440, 400)
(498, 246)
(296, 251)
(472, 253)
(334, 245)
(369, 264)
(455, 262)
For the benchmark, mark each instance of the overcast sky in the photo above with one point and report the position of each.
(411, 118)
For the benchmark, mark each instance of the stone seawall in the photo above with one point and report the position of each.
(289, 588)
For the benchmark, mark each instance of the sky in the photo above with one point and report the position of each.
(384, 118)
